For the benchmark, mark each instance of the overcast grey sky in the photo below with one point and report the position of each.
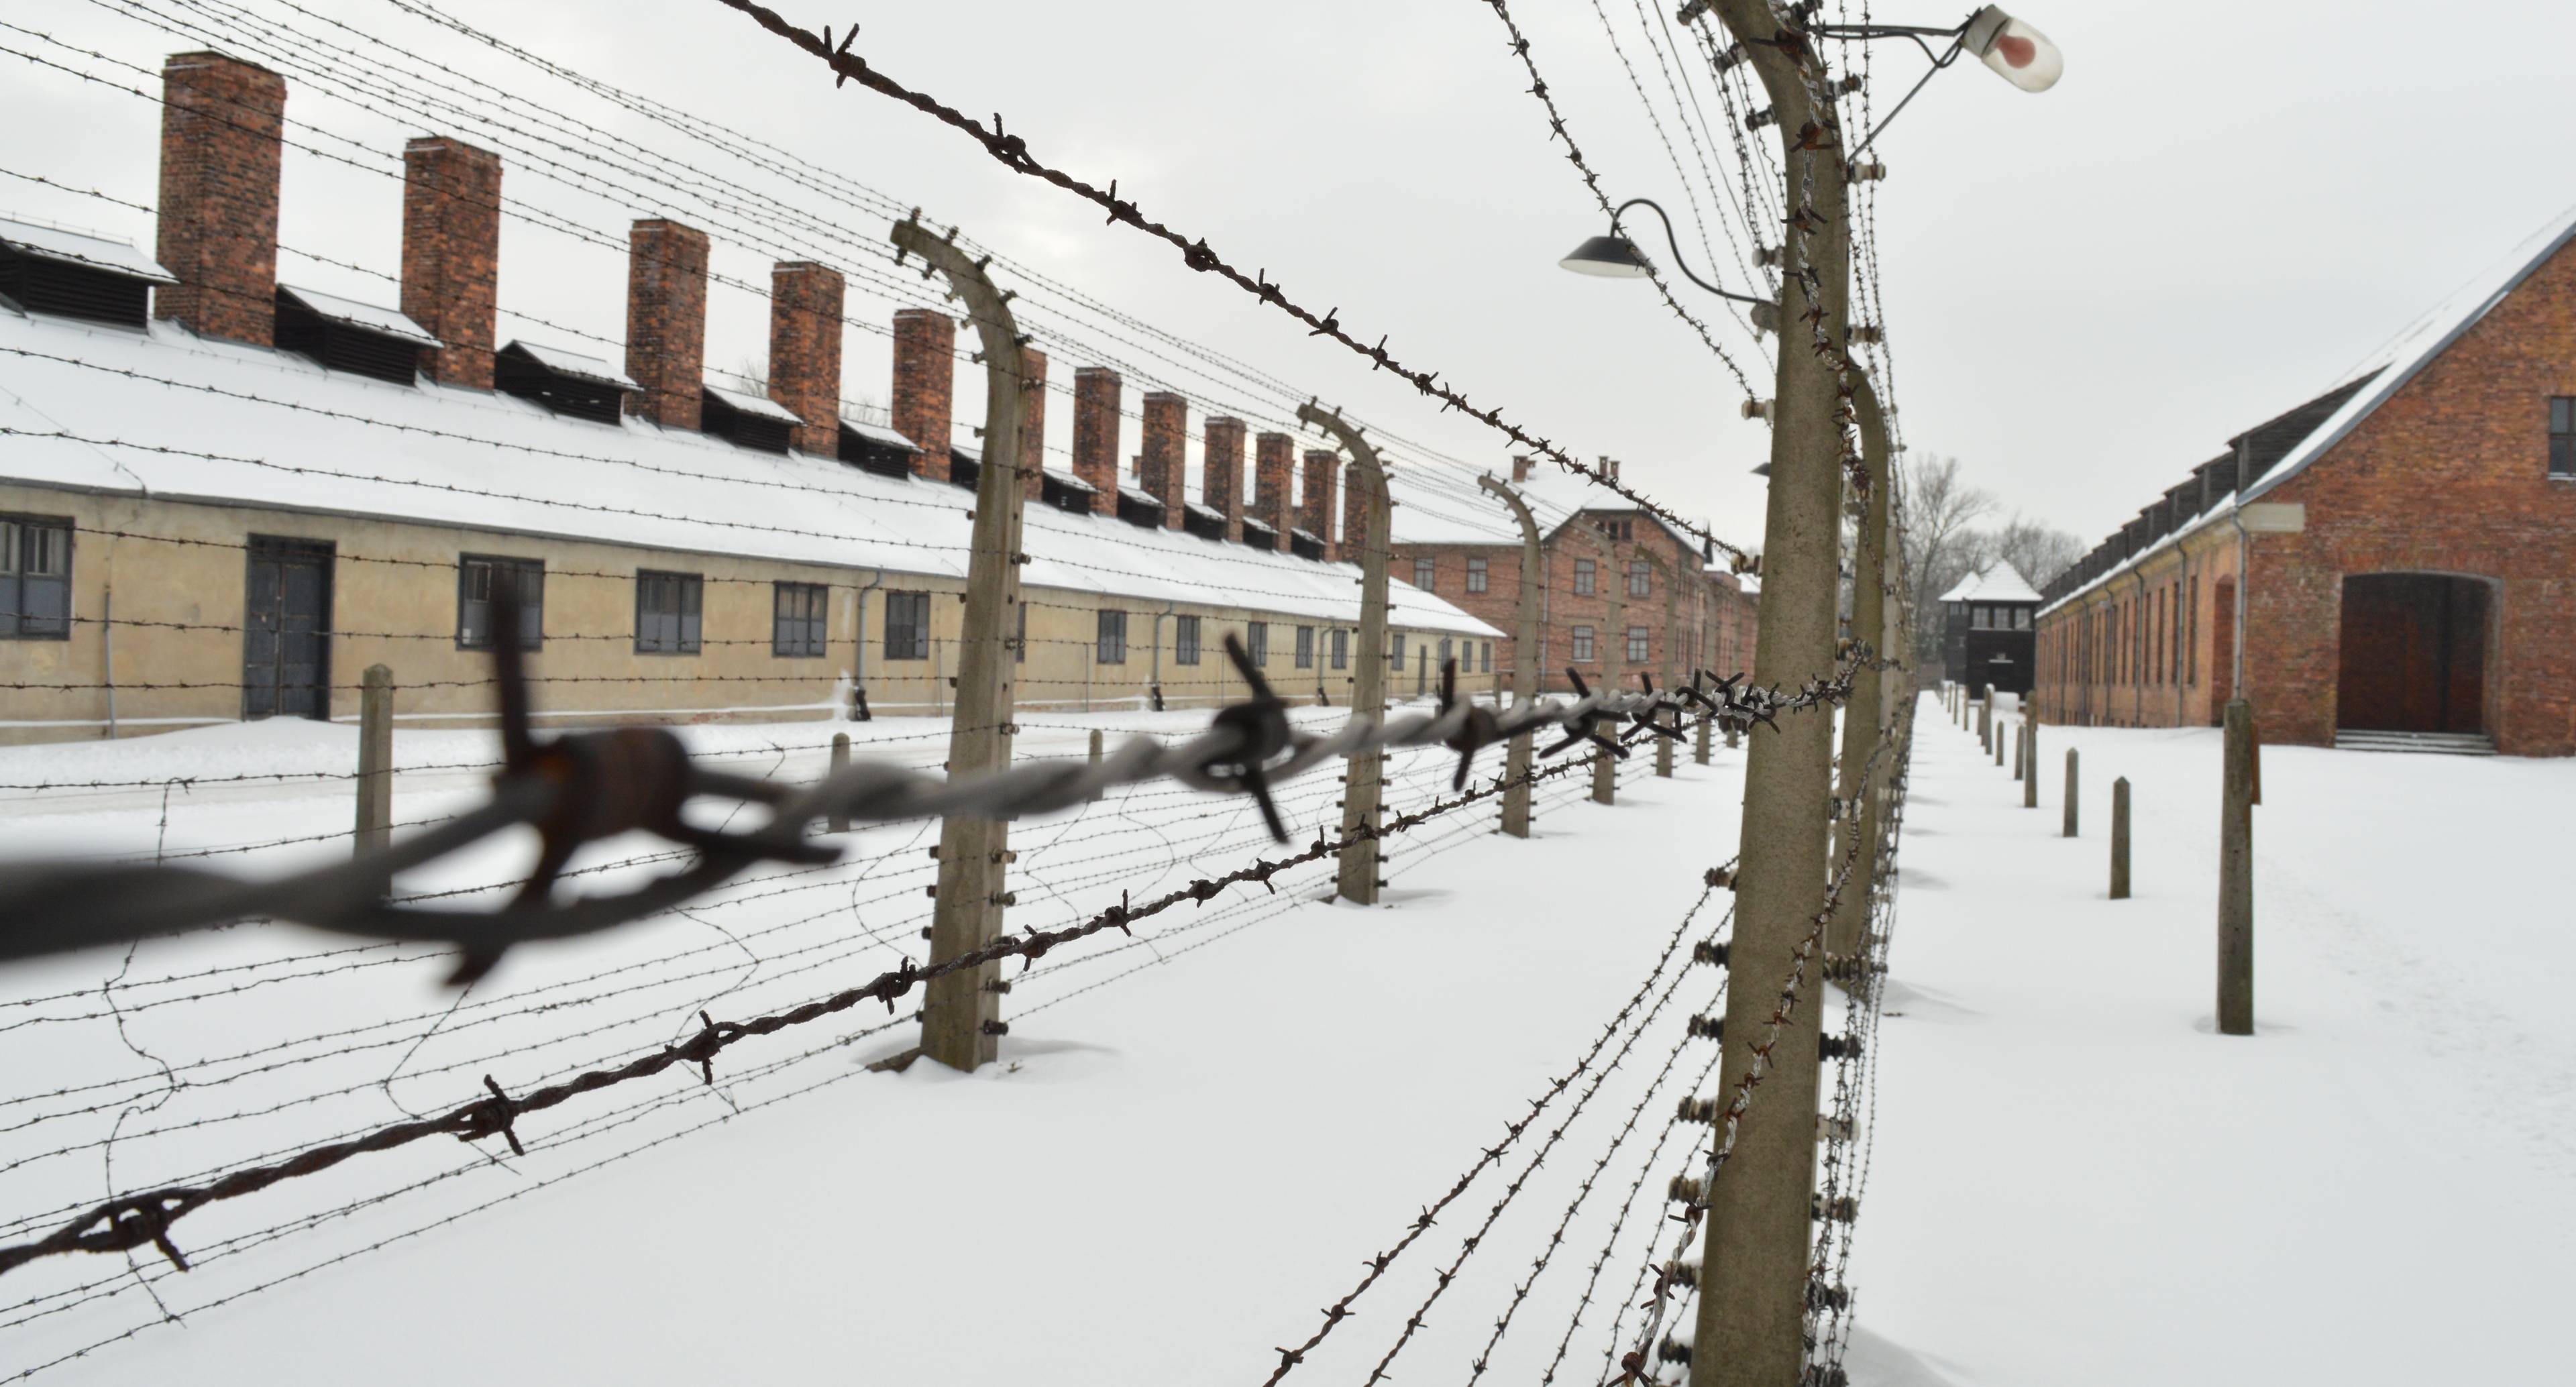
(2220, 209)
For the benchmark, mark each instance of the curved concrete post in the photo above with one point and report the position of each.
(1864, 713)
(961, 1022)
(1358, 877)
(1668, 674)
(1526, 655)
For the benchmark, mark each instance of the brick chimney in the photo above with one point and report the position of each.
(925, 385)
(1096, 397)
(1274, 468)
(1033, 364)
(1355, 517)
(1315, 507)
(220, 119)
(1221, 474)
(451, 255)
(666, 321)
(805, 351)
(1520, 469)
(1160, 466)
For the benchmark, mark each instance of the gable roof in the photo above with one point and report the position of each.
(2000, 583)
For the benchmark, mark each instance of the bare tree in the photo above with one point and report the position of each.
(2037, 550)
(1942, 543)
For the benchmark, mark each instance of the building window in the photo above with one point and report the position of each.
(1422, 574)
(1256, 642)
(797, 612)
(35, 578)
(1113, 637)
(2562, 436)
(1185, 640)
(2021, 618)
(1341, 648)
(1637, 645)
(1396, 662)
(666, 612)
(1305, 647)
(475, 576)
(1641, 582)
(1583, 577)
(1487, 649)
(907, 626)
(1475, 575)
(1582, 645)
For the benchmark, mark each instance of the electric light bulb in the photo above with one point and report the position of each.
(2014, 50)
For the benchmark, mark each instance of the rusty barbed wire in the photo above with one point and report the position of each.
(1013, 153)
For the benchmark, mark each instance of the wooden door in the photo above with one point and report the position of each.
(286, 630)
(2413, 655)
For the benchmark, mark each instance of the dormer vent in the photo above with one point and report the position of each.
(74, 275)
(584, 387)
(345, 335)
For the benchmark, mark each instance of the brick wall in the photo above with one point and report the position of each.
(220, 119)
(666, 321)
(1274, 468)
(1163, 456)
(1221, 473)
(1315, 504)
(1096, 400)
(805, 351)
(1033, 399)
(451, 255)
(925, 385)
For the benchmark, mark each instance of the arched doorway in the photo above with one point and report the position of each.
(2414, 653)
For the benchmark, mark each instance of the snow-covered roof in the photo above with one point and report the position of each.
(1205, 513)
(1071, 482)
(878, 434)
(1959, 590)
(1142, 498)
(251, 426)
(80, 248)
(564, 363)
(2001, 583)
(2402, 357)
(390, 322)
(757, 406)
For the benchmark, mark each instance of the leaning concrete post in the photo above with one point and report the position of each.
(2120, 839)
(2236, 876)
(1758, 1231)
(839, 822)
(375, 826)
(1861, 730)
(961, 1023)
(1526, 657)
(2070, 794)
(1357, 878)
(2030, 764)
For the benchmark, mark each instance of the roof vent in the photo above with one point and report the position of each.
(584, 387)
(880, 450)
(1068, 493)
(345, 335)
(1140, 508)
(965, 467)
(72, 274)
(747, 420)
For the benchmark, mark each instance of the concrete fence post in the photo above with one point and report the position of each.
(375, 824)
(1097, 750)
(2070, 794)
(2236, 876)
(1356, 878)
(2120, 839)
(2030, 765)
(1699, 741)
(1857, 772)
(2021, 740)
(961, 1024)
(1614, 660)
(1999, 744)
(1526, 654)
(839, 822)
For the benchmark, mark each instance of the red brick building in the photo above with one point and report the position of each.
(2392, 563)
(1594, 548)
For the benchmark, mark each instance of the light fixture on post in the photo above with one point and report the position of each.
(2014, 50)
(1614, 256)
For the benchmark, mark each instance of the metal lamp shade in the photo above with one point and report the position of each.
(1611, 257)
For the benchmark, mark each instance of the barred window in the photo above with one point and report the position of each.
(1341, 648)
(1305, 647)
(1641, 582)
(1256, 642)
(667, 607)
(1397, 662)
(1475, 575)
(907, 626)
(798, 613)
(1185, 640)
(35, 578)
(1637, 653)
(1113, 637)
(1487, 656)
(1582, 644)
(2562, 436)
(1583, 577)
(475, 577)
(1423, 571)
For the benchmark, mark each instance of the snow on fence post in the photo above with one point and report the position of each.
(2236, 875)
(2070, 794)
(961, 1024)
(2030, 765)
(1527, 638)
(2120, 839)
(375, 824)
(1356, 878)
(839, 822)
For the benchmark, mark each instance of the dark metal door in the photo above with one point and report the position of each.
(286, 630)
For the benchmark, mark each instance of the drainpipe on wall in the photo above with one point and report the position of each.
(2138, 652)
(1157, 684)
(859, 649)
(2244, 567)
(107, 628)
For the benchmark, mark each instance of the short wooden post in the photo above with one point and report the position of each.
(375, 826)
(2021, 736)
(1605, 777)
(1699, 743)
(2120, 839)
(1664, 757)
(1097, 751)
(1998, 740)
(2030, 763)
(2236, 876)
(2070, 793)
(1986, 721)
(839, 822)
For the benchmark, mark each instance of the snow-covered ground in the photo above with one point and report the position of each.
(2078, 1181)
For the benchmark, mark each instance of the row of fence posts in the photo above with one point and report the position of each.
(2240, 789)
